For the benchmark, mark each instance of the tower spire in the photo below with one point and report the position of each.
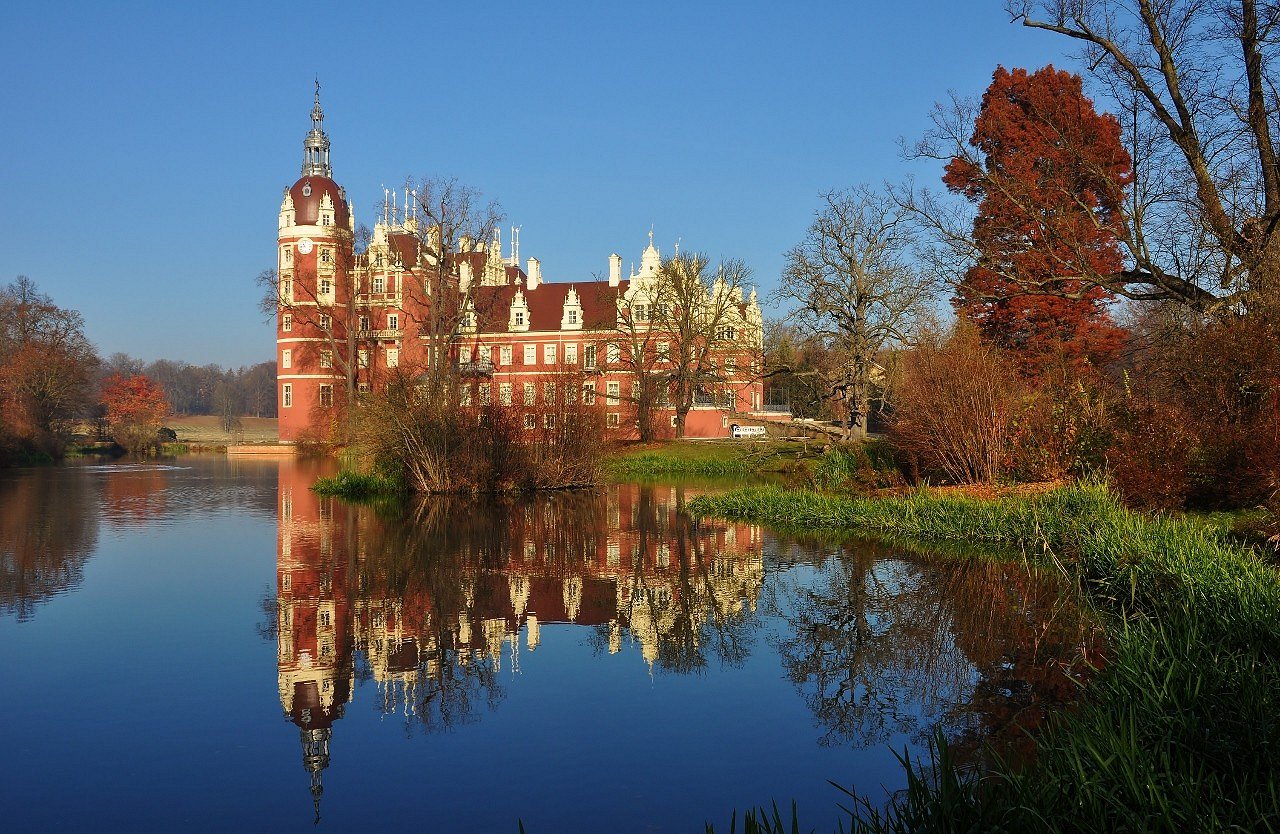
(315, 148)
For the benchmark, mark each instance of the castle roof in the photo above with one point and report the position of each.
(309, 191)
(546, 304)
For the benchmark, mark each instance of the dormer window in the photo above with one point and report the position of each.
(573, 317)
(326, 220)
(519, 318)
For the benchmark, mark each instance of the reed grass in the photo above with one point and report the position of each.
(357, 486)
(1176, 731)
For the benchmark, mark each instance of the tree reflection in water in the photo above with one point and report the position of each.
(48, 530)
(885, 641)
(431, 603)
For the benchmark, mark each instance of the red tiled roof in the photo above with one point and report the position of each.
(405, 246)
(546, 305)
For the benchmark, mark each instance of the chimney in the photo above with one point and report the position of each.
(534, 273)
(615, 269)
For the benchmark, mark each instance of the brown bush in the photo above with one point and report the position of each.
(1150, 454)
(1065, 426)
(955, 407)
(451, 434)
(1208, 394)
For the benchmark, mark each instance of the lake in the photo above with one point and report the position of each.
(203, 644)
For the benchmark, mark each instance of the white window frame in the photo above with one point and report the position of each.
(393, 357)
(286, 358)
(286, 395)
(530, 354)
(393, 321)
(549, 354)
(504, 355)
(571, 353)
(613, 393)
(286, 322)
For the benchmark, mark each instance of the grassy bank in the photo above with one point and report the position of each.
(705, 458)
(357, 486)
(1175, 733)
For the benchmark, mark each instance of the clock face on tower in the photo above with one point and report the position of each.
(304, 246)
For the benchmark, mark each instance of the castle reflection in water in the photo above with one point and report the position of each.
(427, 605)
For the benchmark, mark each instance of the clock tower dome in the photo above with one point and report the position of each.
(313, 264)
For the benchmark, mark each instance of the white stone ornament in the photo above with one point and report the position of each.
(304, 246)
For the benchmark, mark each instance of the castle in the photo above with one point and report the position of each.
(347, 319)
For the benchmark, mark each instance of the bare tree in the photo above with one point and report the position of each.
(638, 349)
(450, 221)
(1193, 79)
(856, 293)
(705, 324)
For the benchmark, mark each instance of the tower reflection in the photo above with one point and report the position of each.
(428, 602)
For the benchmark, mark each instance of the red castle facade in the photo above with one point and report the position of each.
(356, 315)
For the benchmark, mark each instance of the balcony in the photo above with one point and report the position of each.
(394, 333)
(482, 367)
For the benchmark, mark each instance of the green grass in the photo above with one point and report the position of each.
(356, 486)
(716, 459)
(1175, 732)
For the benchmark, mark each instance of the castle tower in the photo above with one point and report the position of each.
(314, 269)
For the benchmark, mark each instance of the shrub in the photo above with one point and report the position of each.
(955, 407)
(857, 466)
(1064, 428)
(440, 434)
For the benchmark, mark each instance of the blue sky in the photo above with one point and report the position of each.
(144, 148)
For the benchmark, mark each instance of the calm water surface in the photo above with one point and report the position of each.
(206, 645)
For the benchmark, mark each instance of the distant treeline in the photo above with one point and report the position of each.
(205, 389)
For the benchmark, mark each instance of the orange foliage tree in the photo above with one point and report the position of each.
(1048, 178)
(136, 407)
(45, 364)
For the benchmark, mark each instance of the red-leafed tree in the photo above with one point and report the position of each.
(1048, 178)
(136, 408)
